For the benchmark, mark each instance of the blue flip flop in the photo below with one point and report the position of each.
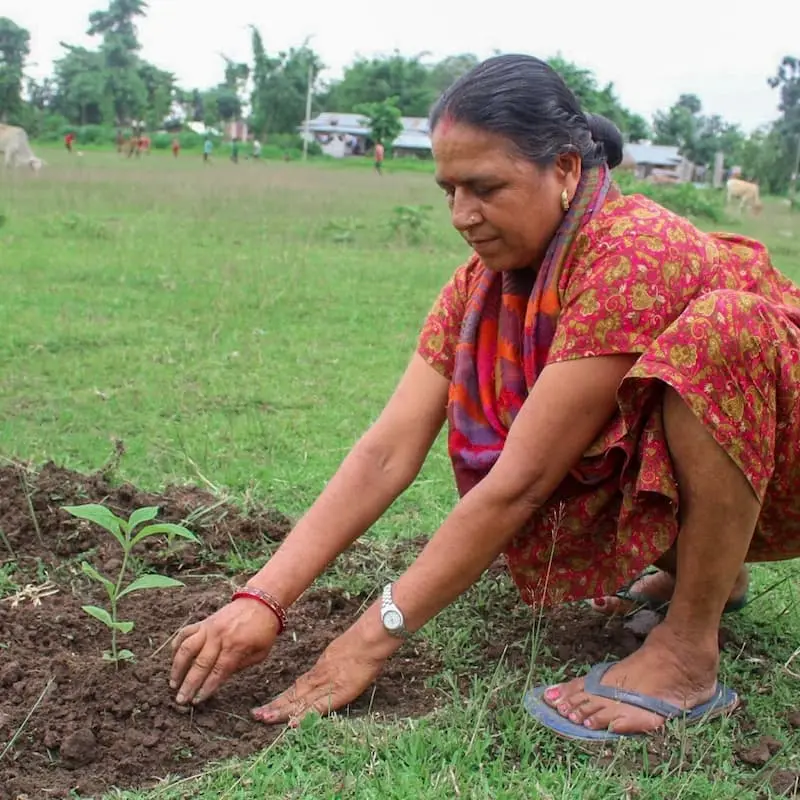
(660, 606)
(723, 701)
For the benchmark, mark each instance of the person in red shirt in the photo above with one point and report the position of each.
(176, 147)
(68, 140)
(379, 154)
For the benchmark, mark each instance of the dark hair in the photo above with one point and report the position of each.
(526, 100)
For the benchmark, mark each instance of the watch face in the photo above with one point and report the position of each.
(392, 620)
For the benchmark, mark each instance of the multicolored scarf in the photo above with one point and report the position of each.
(509, 324)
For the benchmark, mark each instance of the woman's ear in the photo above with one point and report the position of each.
(568, 172)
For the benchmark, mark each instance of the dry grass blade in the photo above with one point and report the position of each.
(21, 728)
(788, 665)
(31, 592)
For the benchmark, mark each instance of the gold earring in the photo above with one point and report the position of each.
(564, 200)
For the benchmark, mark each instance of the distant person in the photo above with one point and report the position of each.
(207, 148)
(235, 150)
(144, 144)
(176, 146)
(256, 148)
(69, 139)
(379, 156)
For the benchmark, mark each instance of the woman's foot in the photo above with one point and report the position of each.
(667, 666)
(658, 587)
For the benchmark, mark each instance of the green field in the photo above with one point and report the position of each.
(239, 327)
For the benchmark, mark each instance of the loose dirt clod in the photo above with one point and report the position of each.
(760, 753)
(79, 748)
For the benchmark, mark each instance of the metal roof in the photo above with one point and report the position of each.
(659, 155)
(413, 141)
(333, 122)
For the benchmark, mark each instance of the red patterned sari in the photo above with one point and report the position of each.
(707, 314)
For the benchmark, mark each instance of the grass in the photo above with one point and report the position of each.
(207, 318)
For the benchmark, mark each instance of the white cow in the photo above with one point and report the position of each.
(746, 193)
(16, 149)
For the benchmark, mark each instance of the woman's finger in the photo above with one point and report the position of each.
(183, 634)
(188, 643)
(203, 664)
(226, 664)
(291, 703)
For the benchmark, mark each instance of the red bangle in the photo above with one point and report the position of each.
(266, 599)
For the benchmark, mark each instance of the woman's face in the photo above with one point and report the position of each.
(505, 207)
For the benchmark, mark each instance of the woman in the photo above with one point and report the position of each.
(651, 374)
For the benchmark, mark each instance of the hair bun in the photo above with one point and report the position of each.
(607, 135)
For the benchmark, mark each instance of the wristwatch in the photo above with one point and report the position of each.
(391, 616)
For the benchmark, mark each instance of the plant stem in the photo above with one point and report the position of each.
(126, 549)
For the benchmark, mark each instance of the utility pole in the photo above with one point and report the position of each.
(793, 180)
(309, 93)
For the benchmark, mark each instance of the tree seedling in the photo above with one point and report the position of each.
(128, 534)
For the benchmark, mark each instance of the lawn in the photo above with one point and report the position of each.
(237, 327)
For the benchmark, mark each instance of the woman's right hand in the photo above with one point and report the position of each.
(207, 653)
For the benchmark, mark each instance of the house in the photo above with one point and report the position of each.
(341, 135)
(236, 130)
(656, 161)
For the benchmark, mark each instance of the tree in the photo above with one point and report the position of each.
(767, 156)
(124, 88)
(80, 85)
(447, 71)
(787, 80)
(14, 49)
(373, 80)
(220, 104)
(160, 88)
(699, 137)
(383, 119)
(280, 86)
(597, 100)
(263, 66)
(41, 95)
(236, 74)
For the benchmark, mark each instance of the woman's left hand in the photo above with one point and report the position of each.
(343, 672)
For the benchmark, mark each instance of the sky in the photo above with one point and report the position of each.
(651, 52)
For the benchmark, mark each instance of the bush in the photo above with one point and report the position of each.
(190, 140)
(685, 199)
(161, 141)
(278, 144)
(53, 127)
(93, 134)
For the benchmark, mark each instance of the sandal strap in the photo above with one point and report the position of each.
(593, 686)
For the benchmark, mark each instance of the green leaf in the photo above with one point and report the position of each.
(125, 655)
(151, 581)
(122, 627)
(142, 515)
(99, 613)
(100, 515)
(89, 570)
(166, 528)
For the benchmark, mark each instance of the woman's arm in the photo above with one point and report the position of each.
(382, 464)
(568, 407)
